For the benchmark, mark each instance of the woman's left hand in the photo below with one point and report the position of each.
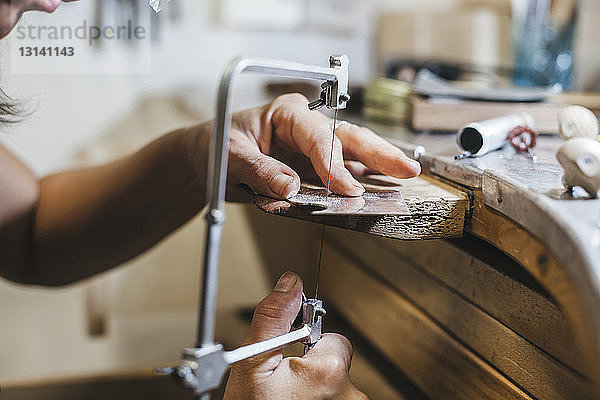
(271, 145)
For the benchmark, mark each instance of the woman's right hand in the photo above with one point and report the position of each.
(321, 374)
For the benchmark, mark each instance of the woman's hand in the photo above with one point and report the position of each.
(321, 374)
(270, 145)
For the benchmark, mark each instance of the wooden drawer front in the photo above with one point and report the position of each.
(514, 303)
(441, 366)
(462, 345)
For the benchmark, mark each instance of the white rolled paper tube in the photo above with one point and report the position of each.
(479, 138)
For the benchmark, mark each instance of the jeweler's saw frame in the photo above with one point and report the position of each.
(203, 368)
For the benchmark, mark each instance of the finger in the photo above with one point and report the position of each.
(310, 133)
(338, 178)
(331, 349)
(364, 145)
(359, 169)
(275, 314)
(263, 174)
(325, 367)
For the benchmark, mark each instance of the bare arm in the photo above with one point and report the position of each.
(72, 225)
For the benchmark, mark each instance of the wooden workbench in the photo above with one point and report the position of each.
(507, 310)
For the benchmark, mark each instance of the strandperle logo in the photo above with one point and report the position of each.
(83, 31)
(82, 46)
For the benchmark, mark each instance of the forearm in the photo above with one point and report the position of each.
(90, 220)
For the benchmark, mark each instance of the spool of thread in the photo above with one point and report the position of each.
(577, 121)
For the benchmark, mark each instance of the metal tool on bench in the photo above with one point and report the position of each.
(203, 368)
(479, 138)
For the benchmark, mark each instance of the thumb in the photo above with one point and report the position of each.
(275, 314)
(263, 174)
(273, 317)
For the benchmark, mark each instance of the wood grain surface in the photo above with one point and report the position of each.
(135, 385)
(439, 364)
(436, 210)
(512, 301)
(524, 362)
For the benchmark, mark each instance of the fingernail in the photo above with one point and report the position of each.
(360, 188)
(286, 282)
(293, 189)
(413, 162)
(279, 184)
(415, 165)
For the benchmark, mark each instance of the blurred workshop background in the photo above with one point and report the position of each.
(144, 313)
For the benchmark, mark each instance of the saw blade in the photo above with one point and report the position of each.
(335, 115)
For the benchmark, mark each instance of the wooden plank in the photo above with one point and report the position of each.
(568, 262)
(441, 366)
(436, 210)
(523, 247)
(588, 100)
(516, 357)
(138, 385)
(443, 115)
(543, 264)
(513, 303)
